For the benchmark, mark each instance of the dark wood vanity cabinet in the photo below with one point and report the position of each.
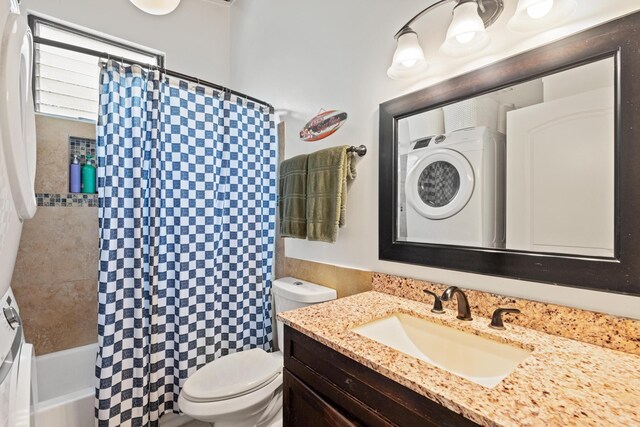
(325, 388)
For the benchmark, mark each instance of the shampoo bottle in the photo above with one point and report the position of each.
(75, 184)
(88, 177)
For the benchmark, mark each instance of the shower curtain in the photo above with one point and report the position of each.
(187, 196)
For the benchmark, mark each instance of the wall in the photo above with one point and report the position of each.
(195, 37)
(304, 56)
(56, 273)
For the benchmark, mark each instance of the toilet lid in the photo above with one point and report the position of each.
(232, 376)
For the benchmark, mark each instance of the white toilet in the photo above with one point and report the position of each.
(245, 389)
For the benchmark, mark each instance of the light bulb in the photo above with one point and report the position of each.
(409, 63)
(466, 37)
(540, 9)
(156, 7)
(536, 15)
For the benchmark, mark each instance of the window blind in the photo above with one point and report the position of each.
(66, 83)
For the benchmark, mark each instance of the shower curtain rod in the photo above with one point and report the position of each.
(104, 55)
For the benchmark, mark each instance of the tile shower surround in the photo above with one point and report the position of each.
(70, 200)
(56, 272)
(81, 147)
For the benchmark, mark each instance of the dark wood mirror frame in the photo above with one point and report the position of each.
(618, 39)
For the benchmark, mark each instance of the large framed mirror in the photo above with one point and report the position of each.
(528, 168)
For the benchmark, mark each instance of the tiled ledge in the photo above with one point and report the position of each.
(70, 200)
(599, 329)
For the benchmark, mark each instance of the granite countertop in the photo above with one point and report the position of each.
(561, 383)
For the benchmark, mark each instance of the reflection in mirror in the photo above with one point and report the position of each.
(525, 168)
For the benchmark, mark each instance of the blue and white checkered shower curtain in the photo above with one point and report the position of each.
(187, 190)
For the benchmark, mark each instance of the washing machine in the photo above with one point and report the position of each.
(455, 189)
(17, 365)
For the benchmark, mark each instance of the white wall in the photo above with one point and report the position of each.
(195, 37)
(303, 56)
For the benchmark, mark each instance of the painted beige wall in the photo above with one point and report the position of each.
(56, 274)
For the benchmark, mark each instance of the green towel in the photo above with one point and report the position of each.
(330, 171)
(293, 197)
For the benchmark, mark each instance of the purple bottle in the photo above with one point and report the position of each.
(74, 176)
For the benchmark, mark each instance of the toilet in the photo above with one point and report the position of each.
(244, 389)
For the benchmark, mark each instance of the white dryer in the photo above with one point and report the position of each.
(455, 189)
(17, 116)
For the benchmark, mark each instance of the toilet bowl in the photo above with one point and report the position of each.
(244, 389)
(235, 390)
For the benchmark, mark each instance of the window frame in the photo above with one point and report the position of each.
(34, 19)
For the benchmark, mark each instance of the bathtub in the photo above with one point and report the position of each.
(66, 387)
(66, 390)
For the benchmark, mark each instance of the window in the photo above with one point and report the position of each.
(65, 79)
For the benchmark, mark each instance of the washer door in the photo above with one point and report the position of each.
(17, 117)
(440, 184)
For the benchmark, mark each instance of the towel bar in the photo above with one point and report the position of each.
(360, 151)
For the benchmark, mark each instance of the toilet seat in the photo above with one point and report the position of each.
(244, 404)
(232, 376)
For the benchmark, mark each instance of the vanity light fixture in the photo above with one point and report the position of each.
(467, 32)
(156, 7)
(533, 15)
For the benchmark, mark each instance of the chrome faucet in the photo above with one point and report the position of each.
(464, 311)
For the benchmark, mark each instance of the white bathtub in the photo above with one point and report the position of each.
(66, 387)
(66, 390)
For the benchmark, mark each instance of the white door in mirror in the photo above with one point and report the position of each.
(561, 175)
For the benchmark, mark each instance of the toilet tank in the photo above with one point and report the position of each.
(290, 293)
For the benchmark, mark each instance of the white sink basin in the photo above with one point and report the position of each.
(481, 360)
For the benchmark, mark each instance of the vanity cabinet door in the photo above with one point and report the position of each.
(304, 407)
(358, 394)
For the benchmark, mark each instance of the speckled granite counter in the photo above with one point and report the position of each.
(562, 383)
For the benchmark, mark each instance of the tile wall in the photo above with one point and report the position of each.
(56, 274)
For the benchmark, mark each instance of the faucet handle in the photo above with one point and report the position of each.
(437, 302)
(496, 319)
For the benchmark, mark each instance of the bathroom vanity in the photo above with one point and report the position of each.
(323, 387)
(336, 376)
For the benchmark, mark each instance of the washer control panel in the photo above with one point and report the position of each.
(12, 316)
(426, 141)
(440, 138)
(9, 326)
